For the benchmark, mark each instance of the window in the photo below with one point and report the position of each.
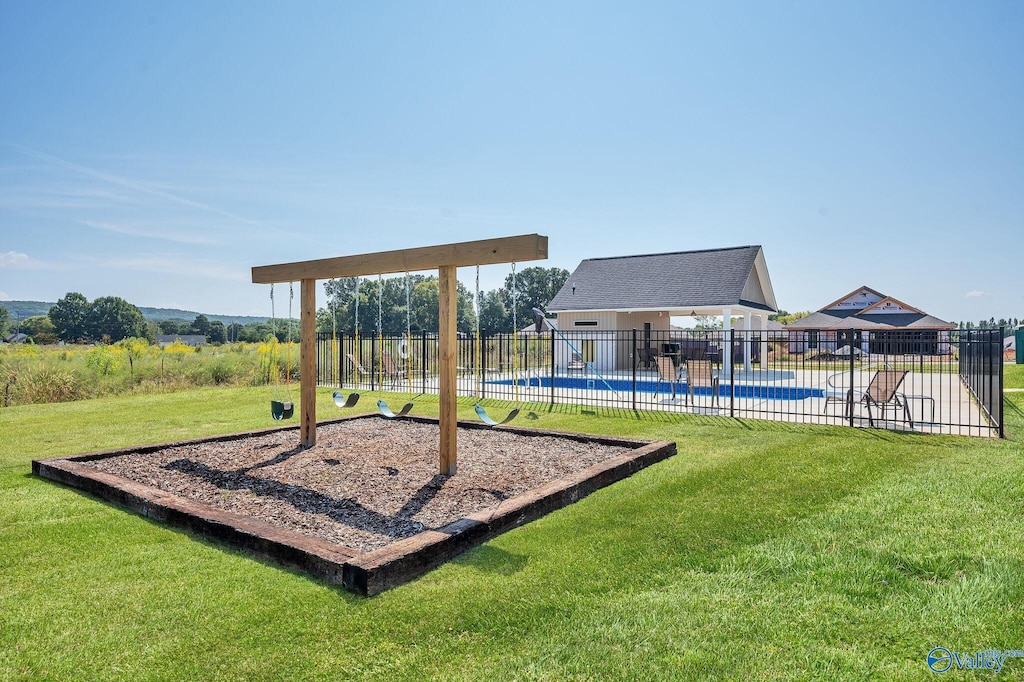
(585, 323)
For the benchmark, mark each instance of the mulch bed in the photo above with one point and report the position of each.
(367, 503)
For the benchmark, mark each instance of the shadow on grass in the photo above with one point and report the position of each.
(492, 560)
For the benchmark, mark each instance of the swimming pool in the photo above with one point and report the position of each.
(755, 391)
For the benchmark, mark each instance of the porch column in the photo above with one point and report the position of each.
(764, 339)
(726, 342)
(747, 339)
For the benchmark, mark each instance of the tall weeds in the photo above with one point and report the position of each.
(41, 374)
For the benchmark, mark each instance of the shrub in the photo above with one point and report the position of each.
(221, 373)
(46, 384)
(103, 360)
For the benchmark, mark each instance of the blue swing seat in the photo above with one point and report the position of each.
(341, 401)
(386, 411)
(486, 419)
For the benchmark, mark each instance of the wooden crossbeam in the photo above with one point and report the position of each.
(521, 248)
(446, 258)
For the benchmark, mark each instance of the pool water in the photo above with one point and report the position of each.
(756, 391)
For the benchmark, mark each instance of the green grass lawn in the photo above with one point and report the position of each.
(1013, 376)
(761, 551)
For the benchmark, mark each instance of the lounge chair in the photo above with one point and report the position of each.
(700, 374)
(666, 372)
(391, 370)
(359, 369)
(882, 392)
(576, 364)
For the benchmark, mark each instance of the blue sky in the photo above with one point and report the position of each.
(157, 151)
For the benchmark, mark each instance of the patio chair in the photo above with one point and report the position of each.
(666, 372)
(700, 374)
(391, 370)
(882, 392)
(576, 364)
(360, 370)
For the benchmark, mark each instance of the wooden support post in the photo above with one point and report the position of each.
(448, 351)
(307, 363)
(446, 257)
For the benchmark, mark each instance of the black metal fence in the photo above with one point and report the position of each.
(981, 370)
(937, 382)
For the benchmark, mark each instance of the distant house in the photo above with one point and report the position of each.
(193, 340)
(16, 338)
(644, 292)
(878, 323)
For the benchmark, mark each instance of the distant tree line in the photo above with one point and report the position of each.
(534, 287)
(992, 323)
(109, 319)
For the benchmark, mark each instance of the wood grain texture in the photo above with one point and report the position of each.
(527, 247)
(307, 363)
(448, 352)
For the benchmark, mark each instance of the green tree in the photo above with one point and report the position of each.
(234, 330)
(70, 317)
(424, 305)
(200, 326)
(254, 332)
(113, 318)
(5, 317)
(173, 327)
(535, 287)
(339, 313)
(788, 318)
(218, 332)
(494, 317)
(40, 328)
(391, 292)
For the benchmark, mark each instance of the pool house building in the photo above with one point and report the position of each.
(644, 292)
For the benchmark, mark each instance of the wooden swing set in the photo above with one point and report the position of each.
(446, 258)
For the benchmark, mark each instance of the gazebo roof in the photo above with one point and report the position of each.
(679, 282)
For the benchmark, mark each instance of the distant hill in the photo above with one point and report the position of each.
(19, 310)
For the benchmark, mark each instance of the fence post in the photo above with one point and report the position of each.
(373, 361)
(423, 361)
(635, 360)
(552, 367)
(849, 393)
(999, 388)
(481, 376)
(732, 374)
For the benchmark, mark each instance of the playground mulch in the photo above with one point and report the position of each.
(365, 507)
(366, 483)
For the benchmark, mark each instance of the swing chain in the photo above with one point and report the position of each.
(291, 295)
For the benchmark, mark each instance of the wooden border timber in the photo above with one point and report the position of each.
(446, 258)
(363, 572)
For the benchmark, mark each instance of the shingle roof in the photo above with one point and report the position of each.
(684, 279)
(848, 319)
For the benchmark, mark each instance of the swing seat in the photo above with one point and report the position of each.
(341, 401)
(486, 419)
(386, 411)
(282, 409)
